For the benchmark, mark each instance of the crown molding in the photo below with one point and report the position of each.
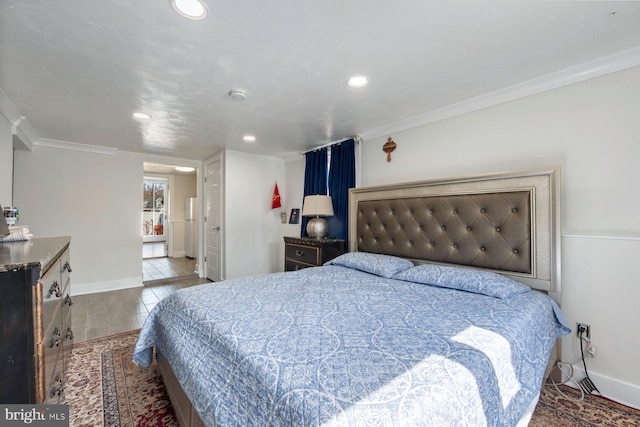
(575, 74)
(23, 133)
(7, 109)
(52, 143)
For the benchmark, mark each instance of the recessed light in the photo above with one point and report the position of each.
(141, 116)
(358, 81)
(249, 138)
(185, 169)
(192, 9)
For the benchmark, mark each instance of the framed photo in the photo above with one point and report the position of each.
(294, 218)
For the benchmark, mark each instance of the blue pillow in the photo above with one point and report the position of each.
(378, 264)
(464, 279)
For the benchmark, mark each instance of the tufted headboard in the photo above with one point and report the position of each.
(506, 223)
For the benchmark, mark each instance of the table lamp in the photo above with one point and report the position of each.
(317, 206)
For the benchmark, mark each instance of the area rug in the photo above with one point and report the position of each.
(105, 388)
(560, 408)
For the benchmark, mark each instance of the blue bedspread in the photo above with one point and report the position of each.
(333, 346)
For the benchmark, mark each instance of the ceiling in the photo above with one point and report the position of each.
(78, 69)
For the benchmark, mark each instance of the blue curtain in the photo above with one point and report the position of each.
(342, 177)
(315, 178)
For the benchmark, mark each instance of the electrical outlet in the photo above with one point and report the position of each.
(585, 328)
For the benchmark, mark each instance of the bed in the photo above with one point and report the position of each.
(442, 313)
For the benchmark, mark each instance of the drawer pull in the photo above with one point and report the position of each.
(68, 335)
(57, 388)
(55, 289)
(67, 267)
(299, 252)
(67, 301)
(55, 338)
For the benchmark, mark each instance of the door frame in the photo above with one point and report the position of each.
(168, 179)
(222, 233)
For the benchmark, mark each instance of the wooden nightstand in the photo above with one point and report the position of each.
(304, 252)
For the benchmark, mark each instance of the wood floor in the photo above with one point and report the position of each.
(107, 313)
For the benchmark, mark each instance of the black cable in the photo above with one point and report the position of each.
(590, 386)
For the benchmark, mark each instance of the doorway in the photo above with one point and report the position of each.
(165, 190)
(154, 213)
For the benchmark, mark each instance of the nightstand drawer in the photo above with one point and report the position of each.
(295, 266)
(298, 253)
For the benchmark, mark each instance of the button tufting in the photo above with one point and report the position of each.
(483, 210)
(443, 227)
(455, 246)
(514, 210)
(431, 211)
(468, 228)
(455, 211)
(515, 251)
(432, 244)
(483, 249)
(498, 229)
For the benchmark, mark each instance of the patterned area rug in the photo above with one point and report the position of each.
(556, 410)
(105, 388)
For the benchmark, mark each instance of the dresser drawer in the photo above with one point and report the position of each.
(68, 335)
(52, 290)
(65, 272)
(54, 374)
(305, 254)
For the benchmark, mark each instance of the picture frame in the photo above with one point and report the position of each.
(294, 218)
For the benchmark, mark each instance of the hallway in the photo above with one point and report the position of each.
(157, 267)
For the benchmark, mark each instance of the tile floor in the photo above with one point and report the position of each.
(107, 313)
(159, 270)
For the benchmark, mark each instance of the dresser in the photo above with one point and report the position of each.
(305, 252)
(35, 319)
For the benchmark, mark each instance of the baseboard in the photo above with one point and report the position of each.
(619, 391)
(110, 285)
(179, 254)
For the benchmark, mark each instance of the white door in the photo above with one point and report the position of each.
(213, 218)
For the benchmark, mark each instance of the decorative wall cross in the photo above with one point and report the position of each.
(388, 148)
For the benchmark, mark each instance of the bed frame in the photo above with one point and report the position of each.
(507, 223)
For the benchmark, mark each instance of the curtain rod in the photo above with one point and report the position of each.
(356, 138)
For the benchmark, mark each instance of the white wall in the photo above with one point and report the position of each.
(592, 131)
(6, 161)
(253, 241)
(94, 198)
(293, 195)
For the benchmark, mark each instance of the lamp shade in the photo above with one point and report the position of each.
(317, 205)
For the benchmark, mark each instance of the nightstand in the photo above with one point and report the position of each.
(305, 252)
